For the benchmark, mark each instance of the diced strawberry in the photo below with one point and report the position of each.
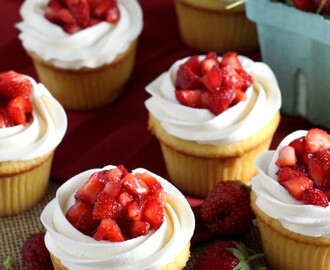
(207, 64)
(13, 84)
(106, 207)
(231, 59)
(135, 185)
(285, 173)
(240, 96)
(92, 188)
(231, 78)
(139, 228)
(112, 188)
(297, 185)
(306, 5)
(212, 79)
(55, 4)
(247, 79)
(5, 120)
(100, 8)
(124, 198)
(80, 215)
(187, 78)
(287, 157)
(319, 168)
(113, 15)
(192, 98)
(19, 109)
(71, 28)
(109, 230)
(317, 140)
(315, 197)
(299, 146)
(134, 210)
(153, 212)
(81, 11)
(60, 17)
(221, 100)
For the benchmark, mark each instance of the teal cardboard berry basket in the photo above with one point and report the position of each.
(296, 45)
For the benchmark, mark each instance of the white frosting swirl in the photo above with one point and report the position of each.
(152, 251)
(41, 135)
(274, 200)
(200, 125)
(91, 47)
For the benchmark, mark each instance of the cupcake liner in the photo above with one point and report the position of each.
(23, 184)
(87, 88)
(287, 250)
(196, 168)
(213, 28)
(178, 263)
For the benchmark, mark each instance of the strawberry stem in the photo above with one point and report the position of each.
(9, 263)
(319, 9)
(235, 4)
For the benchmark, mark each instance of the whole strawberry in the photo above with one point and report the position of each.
(35, 254)
(226, 210)
(226, 255)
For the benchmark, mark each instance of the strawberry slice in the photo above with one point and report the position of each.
(19, 109)
(193, 98)
(13, 84)
(92, 188)
(319, 168)
(297, 185)
(187, 78)
(221, 100)
(207, 64)
(212, 79)
(317, 140)
(135, 185)
(112, 15)
(287, 157)
(231, 59)
(134, 210)
(285, 173)
(230, 78)
(299, 146)
(315, 196)
(139, 228)
(153, 212)
(109, 230)
(80, 10)
(106, 207)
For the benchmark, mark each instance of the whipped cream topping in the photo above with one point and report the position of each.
(200, 125)
(91, 47)
(152, 251)
(274, 200)
(41, 135)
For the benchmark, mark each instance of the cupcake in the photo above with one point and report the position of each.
(208, 26)
(290, 200)
(134, 220)
(83, 53)
(219, 140)
(32, 124)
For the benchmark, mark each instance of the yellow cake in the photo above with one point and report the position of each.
(162, 246)
(83, 69)
(208, 26)
(27, 151)
(200, 148)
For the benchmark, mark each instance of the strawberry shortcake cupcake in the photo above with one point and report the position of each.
(290, 198)
(32, 124)
(213, 116)
(83, 51)
(110, 218)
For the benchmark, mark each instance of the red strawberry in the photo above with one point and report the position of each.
(193, 98)
(113, 15)
(230, 78)
(319, 168)
(212, 79)
(285, 173)
(287, 157)
(153, 212)
(220, 101)
(231, 59)
(209, 62)
(13, 84)
(80, 10)
(226, 210)
(225, 255)
(297, 185)
(19, 109)
(135, 185)
(315, 197)
(139, 228)
(5, 120)
(106, 207)
(35, 254)
(317, 140)
(187, 78)
(299, 146)
(109, 230)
